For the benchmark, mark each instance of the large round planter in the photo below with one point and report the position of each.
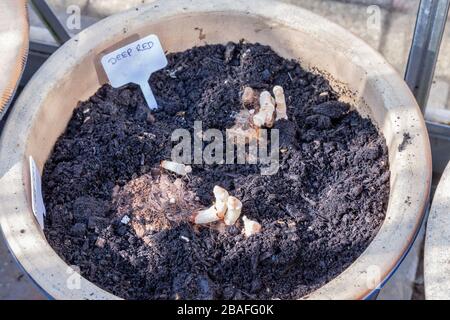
(437, 243)
(14, 34)
(70, 75)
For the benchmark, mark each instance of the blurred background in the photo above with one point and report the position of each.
(386, 25)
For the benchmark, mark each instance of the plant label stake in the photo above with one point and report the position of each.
(135, 63)
(37, 201)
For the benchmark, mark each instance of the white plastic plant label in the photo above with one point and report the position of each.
(134, 63)
(37, 201)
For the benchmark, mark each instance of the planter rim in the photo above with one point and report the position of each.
(437, 243)
(14, 36)
(386, 252)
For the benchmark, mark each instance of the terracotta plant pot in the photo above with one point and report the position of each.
(70, 75)
(437, 243)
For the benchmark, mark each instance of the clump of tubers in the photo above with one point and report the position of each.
(217, 211)
(226, 208)
(234, 211)
(271, 109)
(251, 227)
(178, 168)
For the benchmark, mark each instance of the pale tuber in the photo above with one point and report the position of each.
(248, 97)
(280, 100)
(226, 208)
(234, 211)
(177, 168)
(259, 119)
(206, 216)
(270, 118)
(265, 116)
(222, 196)
(251, 227)
(266, 99)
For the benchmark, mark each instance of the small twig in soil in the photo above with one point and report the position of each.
(290, 77)
(248, 295)
(311, 202)
(177, 168)
(185, 239)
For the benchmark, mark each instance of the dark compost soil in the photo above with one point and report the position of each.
(319, 212)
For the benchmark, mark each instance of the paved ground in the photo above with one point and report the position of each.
(14, 284)
(387, 27)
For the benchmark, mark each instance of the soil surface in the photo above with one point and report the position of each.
(319, 212)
